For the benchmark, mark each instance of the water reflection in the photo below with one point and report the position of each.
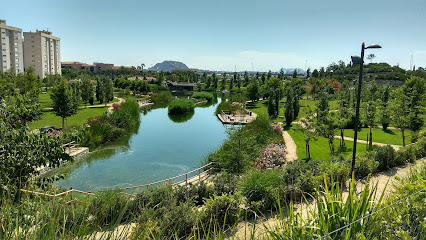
(180, 118)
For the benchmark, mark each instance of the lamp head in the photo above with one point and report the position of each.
(373, 46)
(356, 59)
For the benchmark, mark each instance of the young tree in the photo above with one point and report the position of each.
(208, 82)
(327, 129)
(99, 90)
(107, 90)
(415, 89)
(269, 74)
(277, 101)
(64, 103)
(223, 82)
(369, 117)
(289, 107)
(385, 119)
(323, 107)
(271, 103)
(400, 111)
(215, 81)
(295, 74)
(371, 57)
(263, 78)
(86, 89)
(307, 128)
(315, 73)
(253, 90)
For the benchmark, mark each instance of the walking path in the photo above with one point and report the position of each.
(396, 147)
(290, 147)
(385, 181)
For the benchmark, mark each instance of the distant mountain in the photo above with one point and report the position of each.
(168, 66)
(291, 70)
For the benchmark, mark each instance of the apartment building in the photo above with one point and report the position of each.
(11, 48)
(42, 52)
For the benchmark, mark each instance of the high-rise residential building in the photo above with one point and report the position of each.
(42, 52)
(11, 48)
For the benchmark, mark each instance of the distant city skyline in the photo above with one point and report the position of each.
(224, 35)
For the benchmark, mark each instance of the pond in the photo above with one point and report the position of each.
(163, 147)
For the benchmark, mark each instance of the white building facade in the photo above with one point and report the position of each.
(12, 51)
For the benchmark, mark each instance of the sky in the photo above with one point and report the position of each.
(228, 35)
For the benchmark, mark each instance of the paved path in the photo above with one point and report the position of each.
(290, 147)
(396, 147)
(384, 180)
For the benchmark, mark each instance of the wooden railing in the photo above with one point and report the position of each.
(71, 146)
(169, 180)
(194, 179)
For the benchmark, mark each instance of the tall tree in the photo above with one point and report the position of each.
(253, 90)
(315, 73)
(385, 116)
(99, 90)
(64, 103)
(107, 90)
(400, 111)
(295, 74)
(289, 107)
(271, 103)
(269, 74)
(86, 88)
(223, 83)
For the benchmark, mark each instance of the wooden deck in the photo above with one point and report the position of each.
(236, 119)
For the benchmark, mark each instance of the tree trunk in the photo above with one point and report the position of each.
(308, 155)
(63, 123)
(403, 137)
(342, 144)
(371, 139)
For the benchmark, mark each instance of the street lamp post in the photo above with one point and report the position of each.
(360, 60)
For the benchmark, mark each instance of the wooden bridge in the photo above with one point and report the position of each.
(192, 177)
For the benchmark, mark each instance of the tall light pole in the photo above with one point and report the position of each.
(360, 60)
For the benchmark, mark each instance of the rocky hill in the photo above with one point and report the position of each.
(168, 66)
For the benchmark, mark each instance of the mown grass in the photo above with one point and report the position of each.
(319, 149)
(50, 119)
(46, 102)
(261, 107)
(389, 136)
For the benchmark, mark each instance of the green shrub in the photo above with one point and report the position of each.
(261, 186)
(221, 211)
(110, 208)
(163, 97)
(225, 183)
(301, 177)
(226, 106)
(203, 95)
(110, 127)
(193, 193)
(179, 106)
(386, 157)
(244, 145)
(406, 154)
(365, 165)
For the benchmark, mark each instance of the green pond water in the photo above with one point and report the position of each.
(163, 147)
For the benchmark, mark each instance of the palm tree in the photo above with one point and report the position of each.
(142, 65)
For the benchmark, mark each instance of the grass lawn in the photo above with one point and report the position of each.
(46, 102)
(261, 107)
(320, 149)
(50, 119)
(389, 136)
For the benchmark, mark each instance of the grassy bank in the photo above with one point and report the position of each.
(50, 119)
(320, 150)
